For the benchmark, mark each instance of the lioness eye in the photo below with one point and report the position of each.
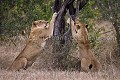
(86, 26)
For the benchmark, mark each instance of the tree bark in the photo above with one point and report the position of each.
(117, 28)
(61, 40)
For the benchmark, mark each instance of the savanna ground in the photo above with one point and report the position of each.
(41, 70)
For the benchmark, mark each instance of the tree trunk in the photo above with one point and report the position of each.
(117, 28)
(62, 41)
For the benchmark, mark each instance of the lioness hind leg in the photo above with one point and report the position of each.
(86, 65)
(18, 64)
(96, 66)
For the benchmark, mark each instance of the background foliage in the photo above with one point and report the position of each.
(17, 15)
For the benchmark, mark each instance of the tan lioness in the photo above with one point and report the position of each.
(41, 30)
(80, 35)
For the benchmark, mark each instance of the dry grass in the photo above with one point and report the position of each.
(55, 75)
(40, 71)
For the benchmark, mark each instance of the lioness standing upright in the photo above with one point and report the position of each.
(87, 57)
(41, 30)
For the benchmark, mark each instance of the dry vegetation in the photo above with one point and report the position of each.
(41, 69)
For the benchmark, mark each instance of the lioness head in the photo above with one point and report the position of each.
(40, 23)
(39, 29)
(81, 30)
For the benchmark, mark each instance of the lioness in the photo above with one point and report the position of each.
(80, 35)
(41, 30)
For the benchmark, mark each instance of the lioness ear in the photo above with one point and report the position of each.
(33, 24)
(77, 20)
